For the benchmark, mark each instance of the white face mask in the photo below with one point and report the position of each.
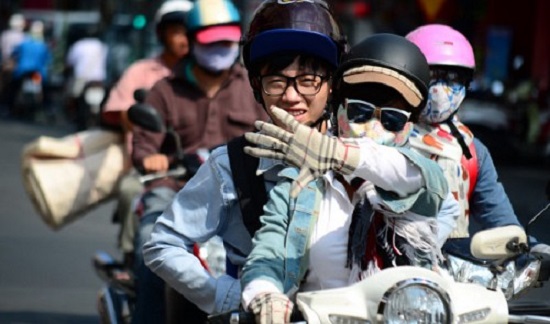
(443, 101)
(217, 57)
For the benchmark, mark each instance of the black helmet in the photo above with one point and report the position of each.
(387, 59)
(293, 26)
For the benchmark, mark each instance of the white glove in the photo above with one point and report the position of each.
(303, 147)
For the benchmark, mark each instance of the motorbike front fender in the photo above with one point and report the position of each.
(363, 300)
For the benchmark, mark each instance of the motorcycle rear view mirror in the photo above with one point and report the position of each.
(140, 94)
(498, 243)
(146, 117)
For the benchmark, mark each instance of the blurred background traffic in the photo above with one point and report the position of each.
(507, 105)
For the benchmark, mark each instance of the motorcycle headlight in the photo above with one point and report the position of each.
(415, 301)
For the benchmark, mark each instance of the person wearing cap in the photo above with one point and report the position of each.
(143, 74)
(353, 204)
(291, 52)
(207, 102)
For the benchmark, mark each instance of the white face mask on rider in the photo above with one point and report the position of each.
(443, 101)
(216, 57)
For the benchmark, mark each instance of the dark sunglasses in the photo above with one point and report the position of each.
(450, 77)
(359, 111)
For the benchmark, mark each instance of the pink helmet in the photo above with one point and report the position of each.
(443, 45)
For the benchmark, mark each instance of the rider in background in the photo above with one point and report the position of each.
(31, 55)
(12, 36)
(298, 46)
(86, 60)
(207, 102)
(441, 136)
(143, 74)
(9, 39)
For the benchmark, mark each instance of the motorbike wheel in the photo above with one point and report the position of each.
(113, 307)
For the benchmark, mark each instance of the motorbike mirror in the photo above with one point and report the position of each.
(140, 94)
(147, 117)
(498, 243)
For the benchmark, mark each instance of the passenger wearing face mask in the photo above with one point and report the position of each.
(207, 101)
(440, 135)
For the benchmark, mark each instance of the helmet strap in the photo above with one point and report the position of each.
(319, 122)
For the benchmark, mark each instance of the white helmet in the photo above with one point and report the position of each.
(17, 21)
(173, 11)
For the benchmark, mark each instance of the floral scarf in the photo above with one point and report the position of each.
(438, 143)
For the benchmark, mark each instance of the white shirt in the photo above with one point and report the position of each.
(9, 40)
(88, 57)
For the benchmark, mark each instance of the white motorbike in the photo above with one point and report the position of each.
(416, 295)
(409, 294)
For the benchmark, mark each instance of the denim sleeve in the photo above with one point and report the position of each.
(427, 200)
(197, 213)
(446, 218)
(489, 204)
(267, 259)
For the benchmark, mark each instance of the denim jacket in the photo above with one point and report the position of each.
(281, 245)
(207, 206)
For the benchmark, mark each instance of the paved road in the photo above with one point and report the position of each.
(46, 276)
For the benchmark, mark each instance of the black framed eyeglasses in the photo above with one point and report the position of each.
(392, 119)
(449, 76)
(304, 84)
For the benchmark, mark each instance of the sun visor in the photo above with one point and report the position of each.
(391, 78)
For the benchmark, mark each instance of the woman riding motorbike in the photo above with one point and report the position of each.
(359, 203)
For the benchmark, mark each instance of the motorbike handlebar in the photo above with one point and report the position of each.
(186, 166)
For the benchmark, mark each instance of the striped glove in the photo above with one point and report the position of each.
(304, 147)
(271, 308)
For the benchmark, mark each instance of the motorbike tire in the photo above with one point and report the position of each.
(113, 307)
